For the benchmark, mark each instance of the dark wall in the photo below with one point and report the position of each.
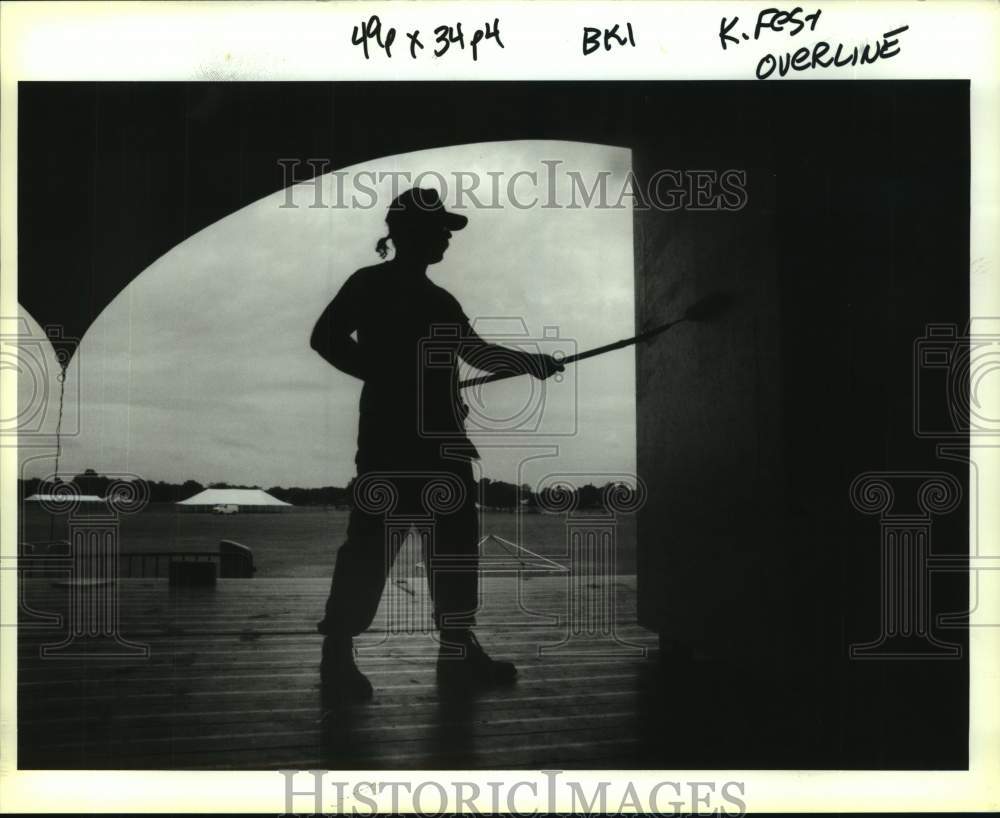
(710, 426)
(751, 429)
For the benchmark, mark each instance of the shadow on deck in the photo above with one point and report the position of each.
(232, 682)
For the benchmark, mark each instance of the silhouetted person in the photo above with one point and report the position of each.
(411, 421)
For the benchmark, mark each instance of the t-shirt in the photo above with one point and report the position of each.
(408, 331)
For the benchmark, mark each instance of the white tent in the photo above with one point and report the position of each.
(244, 499)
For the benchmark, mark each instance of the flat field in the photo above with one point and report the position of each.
(303, 542)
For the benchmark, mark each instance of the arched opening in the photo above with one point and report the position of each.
(200, 369)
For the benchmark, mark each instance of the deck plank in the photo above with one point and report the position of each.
(232, 682)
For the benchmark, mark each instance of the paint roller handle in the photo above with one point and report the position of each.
(580, 356)
(704, 310)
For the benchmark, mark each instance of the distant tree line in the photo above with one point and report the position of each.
(90, 482)
(494, 494)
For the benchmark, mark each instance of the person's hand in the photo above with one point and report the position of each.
(545, 366)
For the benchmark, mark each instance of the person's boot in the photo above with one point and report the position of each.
(462, 662)
(340, 680)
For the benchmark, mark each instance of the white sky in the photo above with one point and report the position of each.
(201, 368)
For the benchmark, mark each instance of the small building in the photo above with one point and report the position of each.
(57, 499)
(242, 500)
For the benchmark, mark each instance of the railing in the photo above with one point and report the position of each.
(233, 559)
(157, 563)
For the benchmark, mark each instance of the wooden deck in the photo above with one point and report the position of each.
(232, 682)
(232, 678)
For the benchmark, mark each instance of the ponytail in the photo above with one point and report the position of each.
(382, 247)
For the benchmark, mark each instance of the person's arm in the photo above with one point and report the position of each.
(497, 359)
(331, 337)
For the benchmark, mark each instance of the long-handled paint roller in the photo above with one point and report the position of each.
(702, 311)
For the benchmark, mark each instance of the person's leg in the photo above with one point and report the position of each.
(453, 562)
(358, 576)
(452, 554)
(362, 565)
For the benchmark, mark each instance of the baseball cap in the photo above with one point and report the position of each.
(424, 205)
